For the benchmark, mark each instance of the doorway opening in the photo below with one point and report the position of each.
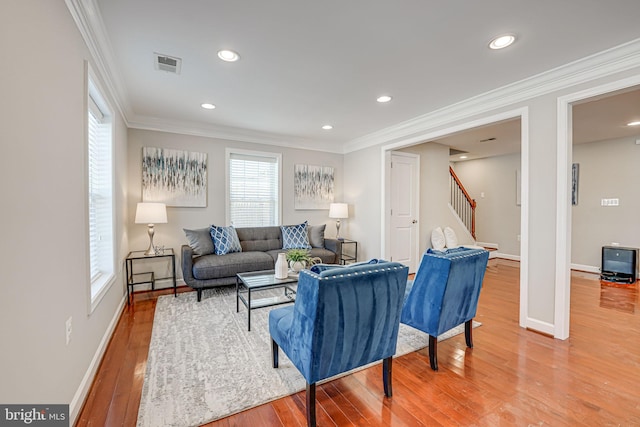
(590, 131)
(440, 149)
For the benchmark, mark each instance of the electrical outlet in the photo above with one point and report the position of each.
(518, 237)
(69, 328)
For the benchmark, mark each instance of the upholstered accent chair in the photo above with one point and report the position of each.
(344, 317)
(444, 294)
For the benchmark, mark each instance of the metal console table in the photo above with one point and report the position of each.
(351, 255)
(148, 277)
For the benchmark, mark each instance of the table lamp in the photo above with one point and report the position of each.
(150, 214)
(338, 211)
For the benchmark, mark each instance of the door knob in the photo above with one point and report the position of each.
(415, 221)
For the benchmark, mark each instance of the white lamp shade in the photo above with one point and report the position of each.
(151, 213)
(338, 210)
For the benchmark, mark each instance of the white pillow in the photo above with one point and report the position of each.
(437, 239)
(450, 238)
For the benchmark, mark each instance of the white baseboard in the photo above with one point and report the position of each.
(587, 268)
(488, 245)
(577, 267)
(87, 380)
(540, 326)
(504, 256)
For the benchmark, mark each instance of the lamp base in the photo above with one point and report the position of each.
(338, 230)
(151, 251)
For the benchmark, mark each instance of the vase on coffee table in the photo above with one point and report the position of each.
(281, 266)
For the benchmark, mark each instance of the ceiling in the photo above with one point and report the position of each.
(595, 119)
(306, 64)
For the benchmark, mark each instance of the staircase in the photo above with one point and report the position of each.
(462, 203)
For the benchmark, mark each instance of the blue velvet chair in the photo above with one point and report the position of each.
(444, 294)
(344, 317)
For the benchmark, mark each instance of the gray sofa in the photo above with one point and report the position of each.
(260, 248)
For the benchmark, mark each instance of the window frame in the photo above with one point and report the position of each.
(270, 155)
(100, 285)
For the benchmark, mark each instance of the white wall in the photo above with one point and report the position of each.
(363, 192)
(172, 235)
(434, 193)
(608, 169)
(497, 215)
(44, 197)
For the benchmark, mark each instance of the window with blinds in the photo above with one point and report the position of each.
(100, 186)
(253, 189)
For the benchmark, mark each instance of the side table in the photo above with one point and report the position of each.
(148, 277)
(352, 253)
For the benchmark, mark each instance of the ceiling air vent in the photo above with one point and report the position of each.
(455, 152)
(167, 63)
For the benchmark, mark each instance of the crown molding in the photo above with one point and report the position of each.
(86, 15)
(602, 64)
(232, 134)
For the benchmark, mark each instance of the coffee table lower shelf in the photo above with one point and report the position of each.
(249, 283)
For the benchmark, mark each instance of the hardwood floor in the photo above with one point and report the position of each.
(512, 377)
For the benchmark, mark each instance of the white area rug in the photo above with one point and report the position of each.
(204, 365)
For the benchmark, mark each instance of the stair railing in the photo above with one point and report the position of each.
(462, 203)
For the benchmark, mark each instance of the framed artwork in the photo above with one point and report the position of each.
(313, 187)
(575, 176)
(174, 177)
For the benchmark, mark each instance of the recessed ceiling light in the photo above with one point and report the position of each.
(636, 123)
(327, 127)
(228, 55)
(502, 41)
(208, 106)
(463, 157)
(384, 98)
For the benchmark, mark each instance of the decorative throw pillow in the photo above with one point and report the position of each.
(438, 241)
(200, 241)
(450, 237)
(225, 240)
(316, 235)
(295, 236)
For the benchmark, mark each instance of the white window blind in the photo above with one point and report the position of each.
(100, 177)
(254, 190)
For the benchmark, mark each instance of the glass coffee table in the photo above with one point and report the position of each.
(248, 283)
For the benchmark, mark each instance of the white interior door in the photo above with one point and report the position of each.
(403, 198)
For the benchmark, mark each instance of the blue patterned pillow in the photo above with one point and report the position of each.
(295, 236)
(225, 240)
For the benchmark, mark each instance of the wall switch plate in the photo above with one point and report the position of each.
(69, 329)
(610, 202)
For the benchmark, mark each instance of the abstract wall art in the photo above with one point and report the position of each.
(174, 177)
(313, 187)
(575, 178)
